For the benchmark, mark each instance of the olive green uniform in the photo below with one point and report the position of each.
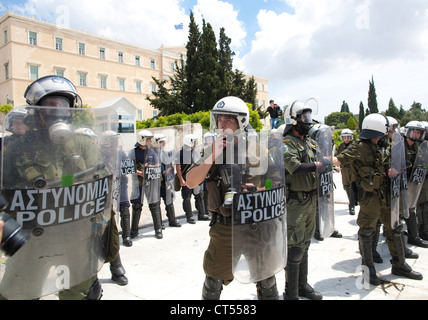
(412, 222)
(217, 263)
(368, 164)
(302, 198)
(26, 161)
(349, 186)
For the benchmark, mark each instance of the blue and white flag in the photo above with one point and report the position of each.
(179, 26)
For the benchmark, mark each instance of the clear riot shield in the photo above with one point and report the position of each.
(324, 153)
(59, 190)
(128, 177)
(397, 179)
(417, 178)
(152, 180)
(259, 230)
(168, 174)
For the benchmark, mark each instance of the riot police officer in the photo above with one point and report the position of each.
(300, 166)
(414, 133)
(422, 209)
(47, 152)
(185, 158)
(149, 172)
(229, 115)
(167, 184)
(348, 185)
(367, 160)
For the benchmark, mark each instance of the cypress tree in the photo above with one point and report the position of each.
(372, 101)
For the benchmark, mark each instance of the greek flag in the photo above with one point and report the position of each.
(179, 26)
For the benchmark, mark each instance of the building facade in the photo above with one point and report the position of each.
(101, 69)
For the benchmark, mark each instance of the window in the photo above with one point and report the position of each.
(138, 86)
(102, 53)
(139, 114)
(58, 43)
(82, 79)
(172, 67)
(34, 73)
(32, 38)
(59, 72)
(82, 48)
(121, 84)
(153, 87)
(5, 36)
(6, 71)
(120, 56)
(152, 63)
(155, 113)
(126, 128)
(137, 61)
(103, 82)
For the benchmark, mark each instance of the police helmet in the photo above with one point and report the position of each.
(314, 130)
(375, 125)
(142, 137)
(299, 114)
(231, 106)
(190, 140)
(393, 124)
(15, 113)
(52, 86)
(414, 126)
(346, 133)
(157, 139)
(109, 139)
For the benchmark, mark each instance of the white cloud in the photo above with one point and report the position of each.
(329, 49)
(221, 14)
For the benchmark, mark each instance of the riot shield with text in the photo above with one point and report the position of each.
(397, 179)
(259, 231)
(59, 190)
(152, 183)
(324, 153)
(417, 178)
(168, 175)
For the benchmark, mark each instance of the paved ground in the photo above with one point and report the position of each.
(171, 268)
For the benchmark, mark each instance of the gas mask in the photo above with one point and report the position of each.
(56, 116)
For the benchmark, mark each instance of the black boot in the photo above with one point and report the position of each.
(408, 253)
(187, 207)
(170, 213)
(365, 240)
(376, 256)
(305, 290)
(212, 288)
(157, 219)
(294, 258)
(125, 224)
(136, 214)
(412, 230)
(267, 290)
(423, 224)
(399, 265)
(200, 206)
(118, 272)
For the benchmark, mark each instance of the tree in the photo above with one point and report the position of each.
(345, 107)
(361, 115)
(392, 110)
(226, 63)
(372, 101)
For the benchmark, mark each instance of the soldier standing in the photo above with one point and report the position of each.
(414, 133)
(367, 159)
(300, 166)
(149, 177)
(229, 115)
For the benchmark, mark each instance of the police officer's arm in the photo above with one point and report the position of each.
(199, 170)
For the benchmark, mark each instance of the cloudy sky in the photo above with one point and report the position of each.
(326, 49)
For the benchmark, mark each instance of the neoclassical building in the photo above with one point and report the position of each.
(102, 69)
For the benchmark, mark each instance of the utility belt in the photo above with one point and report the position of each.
(297, 195)
(219, 218)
